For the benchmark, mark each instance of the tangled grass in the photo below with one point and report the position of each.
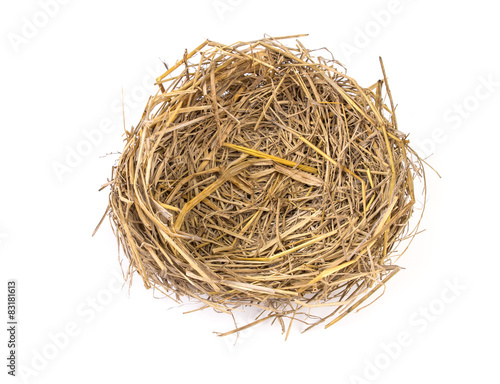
(261, 175)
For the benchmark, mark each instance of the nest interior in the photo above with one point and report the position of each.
(262, 175)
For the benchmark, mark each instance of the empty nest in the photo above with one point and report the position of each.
(261, 175)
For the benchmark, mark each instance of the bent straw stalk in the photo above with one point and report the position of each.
(260, 175)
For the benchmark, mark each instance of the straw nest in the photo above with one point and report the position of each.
(261, 175)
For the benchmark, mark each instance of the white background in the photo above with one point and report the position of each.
(63, 69)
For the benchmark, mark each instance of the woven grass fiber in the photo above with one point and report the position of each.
(262, 175)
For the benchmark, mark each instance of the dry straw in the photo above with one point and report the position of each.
(260, 175)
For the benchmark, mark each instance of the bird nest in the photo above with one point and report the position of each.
(261, 175)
